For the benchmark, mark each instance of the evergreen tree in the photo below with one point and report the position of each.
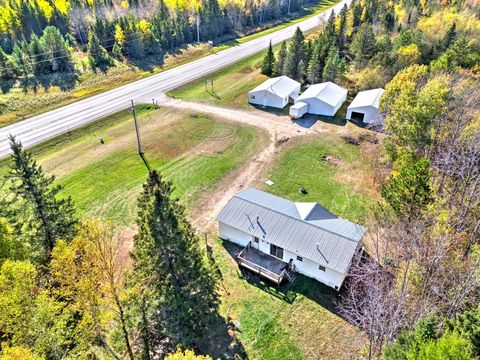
(335, 67)
(268, 65)
(40, 66)
(97, 53)
(449, 37)
(56, 50)
(330, 30)
(342, 30)
(357, 10)
(315, 68)
(180, 297)
(21, 60)
(33, 206)
(6, 67)
(363, 46)
(296, 53)
(280, 63)
(388, 20)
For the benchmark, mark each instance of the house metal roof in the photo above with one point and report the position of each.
(282, 86)
(306, 229)
(327, 92)
(367, 98)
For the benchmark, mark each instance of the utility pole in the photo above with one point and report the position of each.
(289, 1)
(198, 27)
(139, 142)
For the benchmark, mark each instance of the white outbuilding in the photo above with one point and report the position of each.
(281, 237)
(275, 92)
(298, 109)
(323, 99)
(365, 107)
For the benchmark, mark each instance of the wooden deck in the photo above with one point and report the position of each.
(263, 264)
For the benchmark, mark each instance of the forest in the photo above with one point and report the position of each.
(416, 292)
(45, 42)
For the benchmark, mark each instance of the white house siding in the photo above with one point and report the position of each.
(372, 115)
(266, 98)
(234, 235)
(306, 267)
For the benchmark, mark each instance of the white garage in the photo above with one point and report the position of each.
(275, 92)
(323, 99)
(365, 107)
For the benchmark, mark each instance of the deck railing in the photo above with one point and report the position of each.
(260, 270)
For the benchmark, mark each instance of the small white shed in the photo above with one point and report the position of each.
(323, 99)
(298, 109)
(365, 107)
(275, 92)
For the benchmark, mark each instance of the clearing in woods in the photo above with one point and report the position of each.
(207, 158)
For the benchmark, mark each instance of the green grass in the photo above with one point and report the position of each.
(289, 322)
(193, 151)
(345, 189)
(230, 84)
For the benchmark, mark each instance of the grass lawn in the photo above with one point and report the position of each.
(345, 188)
(293, 321)
(230, 84)
(194, 151)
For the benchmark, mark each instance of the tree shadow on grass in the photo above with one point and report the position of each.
(222, 341)
(288, 292)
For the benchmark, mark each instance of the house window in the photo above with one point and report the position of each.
(299, 258)
(320, 267)
(253, 97)
(276, 251)
(255, 239)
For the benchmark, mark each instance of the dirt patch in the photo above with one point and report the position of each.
(332, 160)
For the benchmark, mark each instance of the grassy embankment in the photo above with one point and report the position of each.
(17, 105)
(194, 151)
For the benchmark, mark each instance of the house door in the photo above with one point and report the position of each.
(264, 102)
(256, 242)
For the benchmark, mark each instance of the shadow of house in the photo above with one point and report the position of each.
(287, 291)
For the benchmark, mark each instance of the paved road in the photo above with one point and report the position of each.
(50, 124)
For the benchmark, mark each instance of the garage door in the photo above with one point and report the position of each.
(357, 116)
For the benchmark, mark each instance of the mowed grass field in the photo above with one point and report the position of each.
(104, 180)
(230, 84)
(335, 173)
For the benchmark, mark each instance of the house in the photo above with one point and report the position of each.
(275, 92)
(365, 107)
(281, 236)
(323, 99)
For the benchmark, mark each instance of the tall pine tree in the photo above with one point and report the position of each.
(179, 300)
(296, 53)
(34, 207)
(268, 65)
(280, 63)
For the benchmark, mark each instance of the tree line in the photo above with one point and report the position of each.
(72, 289)
(367, 43)
(39, 38)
